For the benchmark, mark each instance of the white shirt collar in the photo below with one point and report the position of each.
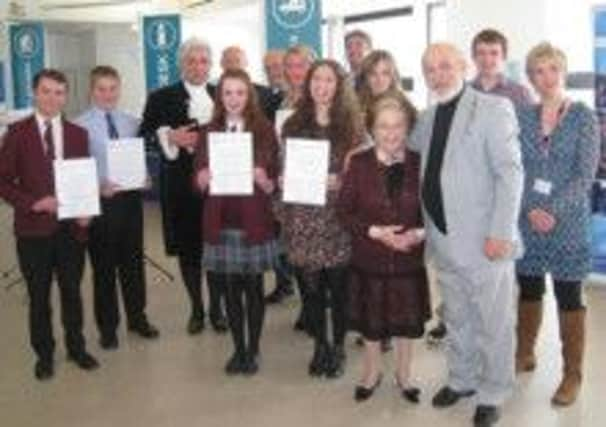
(195, 90)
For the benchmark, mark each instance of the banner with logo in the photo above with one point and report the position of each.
(161, 40)
(27, 59)
(290, 22)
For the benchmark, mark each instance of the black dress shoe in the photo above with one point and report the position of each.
(446, 396)
(486, 416)
(279, 294)
(236, 363)
(319, 361)
(109, 342)
(411, 394)
(195, 325)
(386, 345)
(144, 329)
(44, 370)
(219, 323)
(336, 362)
(250, 365)
(437, 334)
(359, 341)
(362, 393)
(84, 360)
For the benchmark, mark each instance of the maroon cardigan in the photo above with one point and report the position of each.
(256, 216)
(363, 201)
(26, 175)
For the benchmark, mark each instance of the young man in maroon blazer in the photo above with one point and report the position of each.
(46, 247)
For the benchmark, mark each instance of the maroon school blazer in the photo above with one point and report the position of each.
(26, 175)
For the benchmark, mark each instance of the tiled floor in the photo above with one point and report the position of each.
(179, 380)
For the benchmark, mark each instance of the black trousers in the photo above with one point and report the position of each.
(116, 253)
(41, 258)
(318, 285)
(568, 294)
(244, 295)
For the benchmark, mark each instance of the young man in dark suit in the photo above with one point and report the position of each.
(170, 125)
(46, 246)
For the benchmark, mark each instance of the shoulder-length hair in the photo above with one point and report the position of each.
(345, 128)
(368, 65)
(252, 114)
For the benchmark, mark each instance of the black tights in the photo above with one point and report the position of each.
(319, 283)
(568, 294)
(191, 273)
(237, 288)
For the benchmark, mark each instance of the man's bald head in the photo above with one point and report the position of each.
(444, 68)
(233, 58)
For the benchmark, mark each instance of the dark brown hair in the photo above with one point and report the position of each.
(360, 35)
(345, 128)
(252, 113)
(51, 74)
(101, 71)
(489, 36)
(368, 64)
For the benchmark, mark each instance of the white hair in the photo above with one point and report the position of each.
(191, 44)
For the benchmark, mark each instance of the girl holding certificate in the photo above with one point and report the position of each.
(389, 296)
(238, 230)
(316, 242)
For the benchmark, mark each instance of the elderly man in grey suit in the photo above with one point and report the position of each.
(471, 190)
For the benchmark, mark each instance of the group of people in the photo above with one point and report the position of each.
(485, 188)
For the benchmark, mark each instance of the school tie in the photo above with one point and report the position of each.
(49, 143)
(112, 132)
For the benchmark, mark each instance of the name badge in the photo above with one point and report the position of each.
(543, 187)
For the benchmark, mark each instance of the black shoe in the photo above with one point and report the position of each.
(251, 364)
(280, 293)
(411, 394)
(84, 360)
(109, 342)
(319, 361)
(359, 341)
(336, 362)
(446, 396)
(144, 329)
(437, 334)
(362, 393)
(302, 324)
(386, 345)
(236, 363)
(195, 325)
(44, 370)
(219, 323)
(486, 416)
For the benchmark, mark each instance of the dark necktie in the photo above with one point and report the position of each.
(233, 128)
(112, 132)
(48, 139)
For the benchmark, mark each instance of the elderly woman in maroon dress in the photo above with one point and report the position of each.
(388, 291)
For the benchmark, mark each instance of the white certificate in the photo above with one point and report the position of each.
(76, 188)
(126, 163)
(306, 171)
(230, 159)
(281, 116)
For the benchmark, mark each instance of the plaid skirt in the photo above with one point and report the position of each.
(233, 255)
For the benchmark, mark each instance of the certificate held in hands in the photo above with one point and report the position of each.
(230, 158)
(306, 171)
(76, 188)
(126, 163)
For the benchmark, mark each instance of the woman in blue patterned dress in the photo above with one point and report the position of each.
(560, 153)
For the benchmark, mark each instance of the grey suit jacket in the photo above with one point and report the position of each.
(482, 178)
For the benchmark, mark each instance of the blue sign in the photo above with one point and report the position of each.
(291, 22)
(161, 40)
(27, 59)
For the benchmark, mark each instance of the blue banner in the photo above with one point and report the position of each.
(290, 22)
(161, 40)
(27, 59)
